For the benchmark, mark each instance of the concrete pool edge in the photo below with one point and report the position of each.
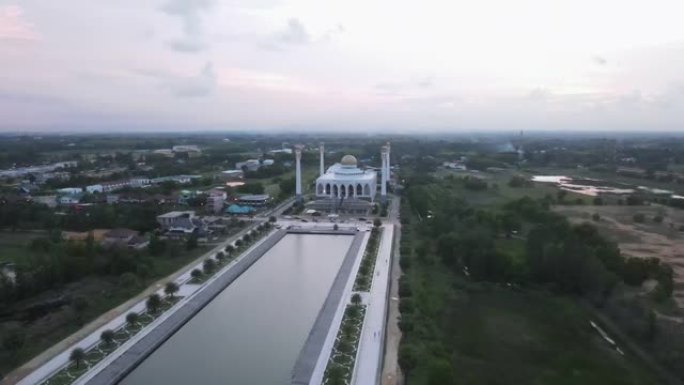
(308, 358)
(120, 367)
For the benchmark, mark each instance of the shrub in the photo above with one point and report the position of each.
(658, 219)
(639, 218)
(596, 217)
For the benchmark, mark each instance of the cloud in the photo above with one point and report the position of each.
(13, 26)
(202, 84)
(188, 45)
(295, 33)
(599, 60)
(190, 12)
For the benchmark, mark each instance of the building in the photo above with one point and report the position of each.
(180, 179)
(346, 180)
(181, 223)
(189, 148)
(254, 200)
(70, 190)
(344, 186)
(248, 165)
(229, 175)
(95, 188)
(239, 210)
(69, 199)
(268, 162)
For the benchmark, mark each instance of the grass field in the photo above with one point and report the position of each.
(13, 244)
(481, 333)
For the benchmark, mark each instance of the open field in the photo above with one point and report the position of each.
(500, 191)
(13, 244)
(648, 239)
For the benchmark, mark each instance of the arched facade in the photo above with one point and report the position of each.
(345, 180)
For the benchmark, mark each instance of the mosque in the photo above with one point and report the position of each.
(345, 187)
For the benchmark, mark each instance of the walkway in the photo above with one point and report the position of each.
(370, 354)
(391, 372)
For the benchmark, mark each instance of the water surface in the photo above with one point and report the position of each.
(252, 332)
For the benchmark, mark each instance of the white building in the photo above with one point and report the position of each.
(346, 180)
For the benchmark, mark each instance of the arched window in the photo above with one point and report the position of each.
(350, 190)
(367, 190)
(359, 189)
(327, 189)
(335, 191)
(343, 191)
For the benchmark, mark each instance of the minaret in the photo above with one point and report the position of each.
(321, 148)
(387, 162)
(383, 179)
(298, 173)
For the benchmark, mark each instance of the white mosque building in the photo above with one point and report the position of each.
(344, 186)
(346, 180)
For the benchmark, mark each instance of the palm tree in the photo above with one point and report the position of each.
(196, 274)
(209, 265)
(107, 337)
(171, 288)
(132, 318)
(356, 299)
(153, 303)
(77, 356)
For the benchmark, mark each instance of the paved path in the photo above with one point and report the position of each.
(51, 360)
(391, 372)
(370, 353)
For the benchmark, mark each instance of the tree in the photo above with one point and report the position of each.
(107, 337)
(229, 249)
(77, 356)
(191, 242)
(238, 243)
(156, 246)
(14, 340)
(658, 219)
(132, 318)
(377, 222)
(356, 299)
(272, 218)
(209, 265)
(171, 289)
(408, 358)
(596, 217)
(196, 274)
(153, 303)
(336, 227)
(220, 256)
(598, 201)
(639, 218)
(246, 238)
(79, 304)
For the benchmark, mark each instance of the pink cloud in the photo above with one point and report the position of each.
(13, 26)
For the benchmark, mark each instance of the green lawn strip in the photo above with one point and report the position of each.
(364, 278)
(340, 366)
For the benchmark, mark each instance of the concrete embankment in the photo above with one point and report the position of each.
(308, 356)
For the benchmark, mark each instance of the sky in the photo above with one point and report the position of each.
(350, 66)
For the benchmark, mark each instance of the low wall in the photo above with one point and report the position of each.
(129, 360)
(308, 356)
